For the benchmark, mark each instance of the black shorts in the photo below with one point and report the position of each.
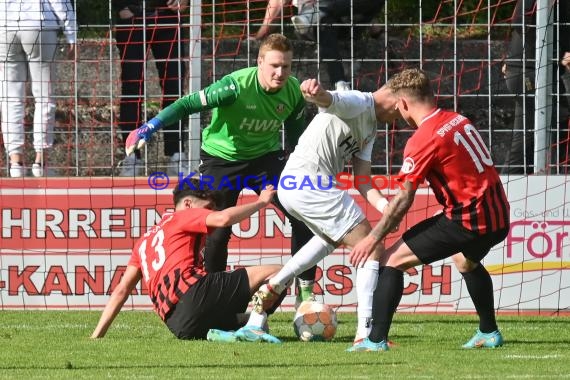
(253, 174)
(212, 303)
(438, 237)
(237, 175)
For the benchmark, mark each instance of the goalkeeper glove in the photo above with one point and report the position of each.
(140, 136)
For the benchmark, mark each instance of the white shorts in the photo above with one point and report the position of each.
(329, 213)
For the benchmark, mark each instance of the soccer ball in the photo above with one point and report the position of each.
(314, 321)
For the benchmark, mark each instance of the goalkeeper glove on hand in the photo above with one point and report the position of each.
(140, 136)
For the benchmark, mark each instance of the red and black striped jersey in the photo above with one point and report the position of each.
(450, 154)
(169, 256)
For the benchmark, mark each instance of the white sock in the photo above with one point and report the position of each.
(310, 254)
(366, 280)
(257, 319)
(305, 283)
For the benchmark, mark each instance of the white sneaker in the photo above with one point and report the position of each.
(37, 170)
(342, 86)
(264, 298)
(132, 166)
(301, 23)
(307, 17)
(17, 170)
(178, 164)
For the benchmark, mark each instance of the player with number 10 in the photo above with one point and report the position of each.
(450, 154)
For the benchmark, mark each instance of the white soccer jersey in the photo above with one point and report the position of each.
(345, 129)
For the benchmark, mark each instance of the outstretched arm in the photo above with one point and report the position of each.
(345, 104)
(220, 93)
(232, 215)
(395, 211)
(130, 279)
(313, 92)
(393, 215)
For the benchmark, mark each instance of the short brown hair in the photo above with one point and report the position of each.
(277, 42)
(193, 187)
(412, 82)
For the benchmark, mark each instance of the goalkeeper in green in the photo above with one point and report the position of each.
(250, 108)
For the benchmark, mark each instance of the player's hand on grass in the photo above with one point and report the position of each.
(267, 194)
(361, 251)
(140, 136)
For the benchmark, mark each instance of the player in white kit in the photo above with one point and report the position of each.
(344, 130)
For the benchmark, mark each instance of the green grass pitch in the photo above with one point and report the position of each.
(56, 345)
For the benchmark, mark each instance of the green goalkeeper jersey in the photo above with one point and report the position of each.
(246, 120)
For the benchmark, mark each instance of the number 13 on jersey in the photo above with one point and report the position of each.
(158, 256)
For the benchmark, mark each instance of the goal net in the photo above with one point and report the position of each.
(67, 238)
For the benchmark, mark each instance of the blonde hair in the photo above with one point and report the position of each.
(413, 83)
(277, 42)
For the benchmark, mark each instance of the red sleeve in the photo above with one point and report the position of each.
(193, 220)
(135, 259)
(419, 154)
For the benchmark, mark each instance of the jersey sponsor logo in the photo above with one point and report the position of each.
(256, 125)
(450, 125)
(408, 165)
(252, 107)
(350, 147)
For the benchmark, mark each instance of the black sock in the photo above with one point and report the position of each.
(387, 297)
(480, 287)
